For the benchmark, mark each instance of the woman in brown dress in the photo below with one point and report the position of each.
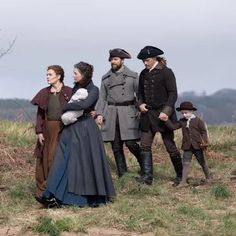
(49, 101)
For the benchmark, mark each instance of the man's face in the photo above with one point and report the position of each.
(149, 62)
(116, 63)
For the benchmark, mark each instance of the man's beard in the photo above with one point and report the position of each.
(115, 67)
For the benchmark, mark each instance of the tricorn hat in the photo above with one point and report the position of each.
(186, 106)
(149, 51)
(118, 52)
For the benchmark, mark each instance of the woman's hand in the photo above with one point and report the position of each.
(40, 138)
(99, 119)
(93, 114)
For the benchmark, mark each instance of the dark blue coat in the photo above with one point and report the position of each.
(80, 169)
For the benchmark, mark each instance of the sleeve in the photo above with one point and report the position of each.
(136, 88)
(102, 101)
(140, 90)
(170, 84)
(173, 126)
(203, 131)
(40, 117)
(83, 104)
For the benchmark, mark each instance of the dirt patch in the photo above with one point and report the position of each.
(16, 159)
(16, 231)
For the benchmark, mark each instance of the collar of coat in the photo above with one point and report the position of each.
(41, 98)
(159, 66)
(126, 72)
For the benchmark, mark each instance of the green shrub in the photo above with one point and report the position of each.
(220, 191)
(191, 212)
(46, 225)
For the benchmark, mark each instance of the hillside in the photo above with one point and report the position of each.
(139, 210)
(17, 110)
(218, 108)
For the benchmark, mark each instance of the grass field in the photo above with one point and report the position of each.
(200, 209)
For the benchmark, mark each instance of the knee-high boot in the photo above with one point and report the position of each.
(201, 160)
(186, 167)
(206, 171)
(120, 163)
(178, 166)
(147, 168)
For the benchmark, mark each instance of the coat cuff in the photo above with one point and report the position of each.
(167, 110)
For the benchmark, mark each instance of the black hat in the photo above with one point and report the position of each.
(118, 52)
(149, 51)
(186, 106)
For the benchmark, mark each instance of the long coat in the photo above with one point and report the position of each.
(119, 88)
(157, 88)
(80, 168)
(194, 136)
(41, 100)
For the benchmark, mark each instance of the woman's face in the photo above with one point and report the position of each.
(77, 75)
(52, 77)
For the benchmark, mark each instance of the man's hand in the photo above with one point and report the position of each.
(40, 138)
(163, 116)
(93, 113)
(99, 119)
(143, 108)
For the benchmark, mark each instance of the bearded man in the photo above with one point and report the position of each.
(116, 109)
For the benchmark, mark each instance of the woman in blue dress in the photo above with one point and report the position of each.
(80, 173)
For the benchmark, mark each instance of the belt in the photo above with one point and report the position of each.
(128, 103)
(153, 107)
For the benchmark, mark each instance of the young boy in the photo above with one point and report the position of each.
(195, 139)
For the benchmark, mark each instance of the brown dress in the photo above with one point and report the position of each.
(49, 124)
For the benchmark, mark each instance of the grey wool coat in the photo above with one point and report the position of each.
(116, 89)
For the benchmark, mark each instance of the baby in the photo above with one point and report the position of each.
(70, 117)
(195, 139)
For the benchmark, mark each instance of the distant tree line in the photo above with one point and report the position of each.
(218, 108)
(17, 109)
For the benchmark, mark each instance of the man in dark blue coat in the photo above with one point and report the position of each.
(157, 97)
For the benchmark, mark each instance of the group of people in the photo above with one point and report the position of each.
(73, 123)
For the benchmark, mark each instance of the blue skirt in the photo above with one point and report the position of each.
(80, 173)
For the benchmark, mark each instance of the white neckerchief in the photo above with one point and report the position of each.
(154, 66)
(188, 120)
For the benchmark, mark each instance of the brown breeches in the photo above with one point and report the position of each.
(168, 140)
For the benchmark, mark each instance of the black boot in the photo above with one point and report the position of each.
(120, 163)
(134, 148)
(147, 168)
(178, 166)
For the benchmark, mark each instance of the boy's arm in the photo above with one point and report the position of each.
(204, 132)
(173, 126)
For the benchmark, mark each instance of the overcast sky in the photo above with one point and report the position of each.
(197, 36)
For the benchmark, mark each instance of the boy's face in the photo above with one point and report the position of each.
(186, 113)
